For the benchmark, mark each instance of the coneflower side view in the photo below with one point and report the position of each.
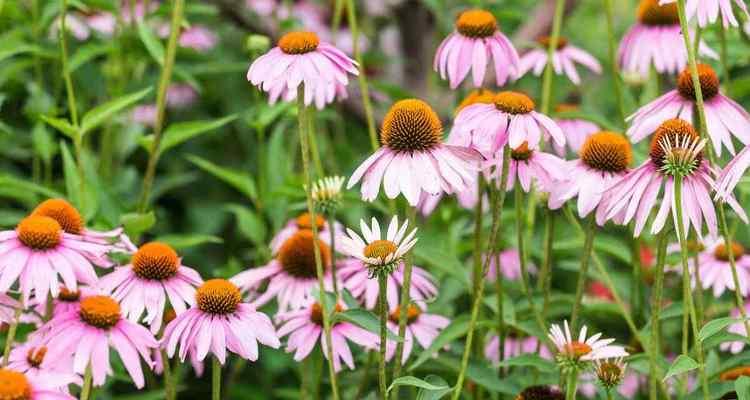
(384, 200)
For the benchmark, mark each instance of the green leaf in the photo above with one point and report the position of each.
(364, 319)
(715, 326)
(61, 125)
(529, 360)
(742, 387)
(238, 180)
(135, 224)
(249, 224)
(86, 53)
(485, 376)
(435, 380)
(681, 365)
(27, 186)
(102, 112)
(455, 330)
(416, 382)
(152, 43)
(180, 132)
(189, 240)
(70, 173)
(43, 143)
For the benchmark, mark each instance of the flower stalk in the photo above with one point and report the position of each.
(571, 385)
(86, 388)
(612, 53)
(588, 246)
(548, 71)
(215, 379)
(11, 335)
(405, 301)
(383, 308)
(654, 370)
(170, 390)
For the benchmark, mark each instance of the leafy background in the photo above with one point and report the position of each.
(229, 177)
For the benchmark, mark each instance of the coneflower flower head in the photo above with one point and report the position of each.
(610, 373)
(676, 148)
(577, 354)
(540, 393)
(564, 58)
(708, 11)
(326, 194)
(380, 254)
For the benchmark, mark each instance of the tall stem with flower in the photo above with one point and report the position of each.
(583, 271)
(661, 254)
(404, 305)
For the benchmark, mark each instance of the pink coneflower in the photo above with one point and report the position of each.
(305, 327)
(515, 346)
(155, 274)
(583, 349)
(144, 114)
(656, 39)
(731, 174)
(459, 136)
(604, 160)
(220, 321)
(529, 166)
(724, 117)
(715, 269)
(355, 276)
(575, 130)
(8, 305)
(420, 325)
(304, 222)
(708, 11)
(301, 57)
(737, 328)
(36, 361)
(470, 47)
(67, 300)
(39, 250)
(467, 199)
(15, 385)
(74, 23)
(510, 266)
(88, 333)
(413, 159)
(375, 251)
(675, 149)
(291, 275)
(563, 60)
(509, 119)
(198, 365)
(198, 38)
(181, 95)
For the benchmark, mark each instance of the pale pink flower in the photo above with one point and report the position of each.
(89, 332)
(708, 11)
(198, 38)
(474, 138)
(180, 95)
(31, 388)
(219, 321)
(39, 362)
(514, 347)
(563, 60)
(732, 173)
(301, 58)
(715, 269)
(584, 348)
(304, 329)
(529, 166)
(724, 117)
(377, 251)
(8, 306)
(74, 23)
(292, 274)
(467, 199)
(421, 327)
(102, 22)
(509, 119)
(198, 365)
(575, 130)
(144, 114)
(355, 277)
(510, 266)
(413, 159)
(304, 222)
(154, 275)
(39, 250)
(67, 300)
(469, 48)
(264, 8)
(656, 40)
(737, 328)
(605, 159)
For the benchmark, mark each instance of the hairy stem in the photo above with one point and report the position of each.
(11, 335)
(215, 379)
(383, 307)
(404, 306)
(654, 370)
(549, 71)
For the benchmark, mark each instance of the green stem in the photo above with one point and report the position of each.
(548, 71)
(332, 231)
(161, 101)
(571, 385)
(496, 209)
(302, 114)
(314, 143)
(495, 193)
(404, 306)
(351, 14)
(612, 51)
(170, 392)
(727, 236)
(11, 335)
(698, 290)
(476, 274)
(686, 284)
(338, 10)
(383, 307)
(654, 373)
(365, 375)
(588, 246)
(86, 388)
(216, 379)
(609, 394)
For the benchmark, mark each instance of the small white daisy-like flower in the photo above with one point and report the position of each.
(572, 353)
(378, 253)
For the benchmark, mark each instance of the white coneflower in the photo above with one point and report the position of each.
(379, 254)
(326, 193)
(610, 372)
(682, 156)
(574, 354)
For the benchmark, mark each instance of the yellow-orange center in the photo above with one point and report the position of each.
(35, 356)
(64, 213)
(297, 255)
(735, 373)
(412, 313)
(304, 221)
(707, 77)
(545, 41)
(577, 349)
(566, 107)
(299, 42)
(155, 261)
(651, 13)
(100, 311)
(316, 313)
(68, 295)
(169, 316)
(380, 249)
(607, 151)
(522, 152)
(722, 252)
(514, 102)
(39, 233)
(476, 23)
(675, 131)
(218, 296)
(411, 125)
(478, 96)
(14, 385)
(540, 392)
